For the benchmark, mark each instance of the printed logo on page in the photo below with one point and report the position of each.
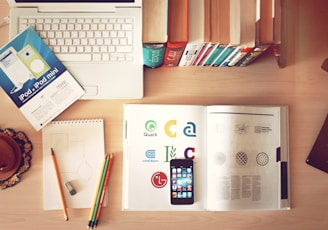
(159, 179)
(150, 127)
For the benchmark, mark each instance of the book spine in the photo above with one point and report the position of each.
(153, 54)
(173, 53)
(243, 52)
(190, 53)
(223, 55)
(177, 32)
(200, 54)
(230, 57)
(216, 50)
(253, 55)
(207, 50)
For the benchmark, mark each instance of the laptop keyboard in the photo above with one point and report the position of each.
(85, 39)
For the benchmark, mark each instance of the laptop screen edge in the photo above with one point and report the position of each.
(37, 3)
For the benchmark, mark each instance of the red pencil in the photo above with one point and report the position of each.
(103, 192)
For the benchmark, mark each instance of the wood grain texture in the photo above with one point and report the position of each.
(302, 85)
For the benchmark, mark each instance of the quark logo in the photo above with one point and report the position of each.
(159, 179)
(150, 127)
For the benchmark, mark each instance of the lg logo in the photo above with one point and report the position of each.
(159, 179)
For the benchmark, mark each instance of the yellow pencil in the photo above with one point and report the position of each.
(96, 194)
(103, 191)
(59, 184)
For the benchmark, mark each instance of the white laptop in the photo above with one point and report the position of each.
(110, 65)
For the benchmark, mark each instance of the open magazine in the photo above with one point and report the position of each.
(239, 153)
(35, 79)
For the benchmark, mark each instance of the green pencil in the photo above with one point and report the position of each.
(103, 192)
(98, 192)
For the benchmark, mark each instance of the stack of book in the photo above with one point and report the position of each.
(214, 33)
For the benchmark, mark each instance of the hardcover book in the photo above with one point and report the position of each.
(243, 22)
(177, 31)
(266, 21)
(35, 80)
(242, 27)
(264, 32)
(219, 29)
(154, 32)
(195, 32)
(240, 157)
(206, 43)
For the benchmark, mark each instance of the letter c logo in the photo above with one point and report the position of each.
(189, 155)
(170, 128)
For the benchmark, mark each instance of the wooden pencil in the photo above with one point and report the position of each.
(62, 197)
(96, 194)
(103, 192)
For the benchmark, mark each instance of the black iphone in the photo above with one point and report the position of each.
(182, 181)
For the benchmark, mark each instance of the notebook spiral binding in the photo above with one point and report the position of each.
(80, 121)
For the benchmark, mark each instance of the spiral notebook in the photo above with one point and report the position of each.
(79, 148)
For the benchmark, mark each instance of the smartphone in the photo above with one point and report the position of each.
(182, 181)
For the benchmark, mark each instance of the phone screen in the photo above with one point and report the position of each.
(182, 181)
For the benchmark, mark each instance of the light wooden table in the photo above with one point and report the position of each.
(302, 85)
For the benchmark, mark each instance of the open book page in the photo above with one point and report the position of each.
(243, 143)
(155, 134)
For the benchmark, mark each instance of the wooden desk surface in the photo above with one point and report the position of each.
(302, 85)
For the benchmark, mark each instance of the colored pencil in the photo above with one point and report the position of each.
(59, 184)
(99, 190)
(96, 194)
(103, 192)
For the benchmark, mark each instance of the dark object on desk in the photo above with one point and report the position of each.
(15, 159)
(10, 156)
(318, 156)
(324, 65)
(70, 188)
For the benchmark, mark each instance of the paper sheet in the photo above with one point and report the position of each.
(79, 149)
